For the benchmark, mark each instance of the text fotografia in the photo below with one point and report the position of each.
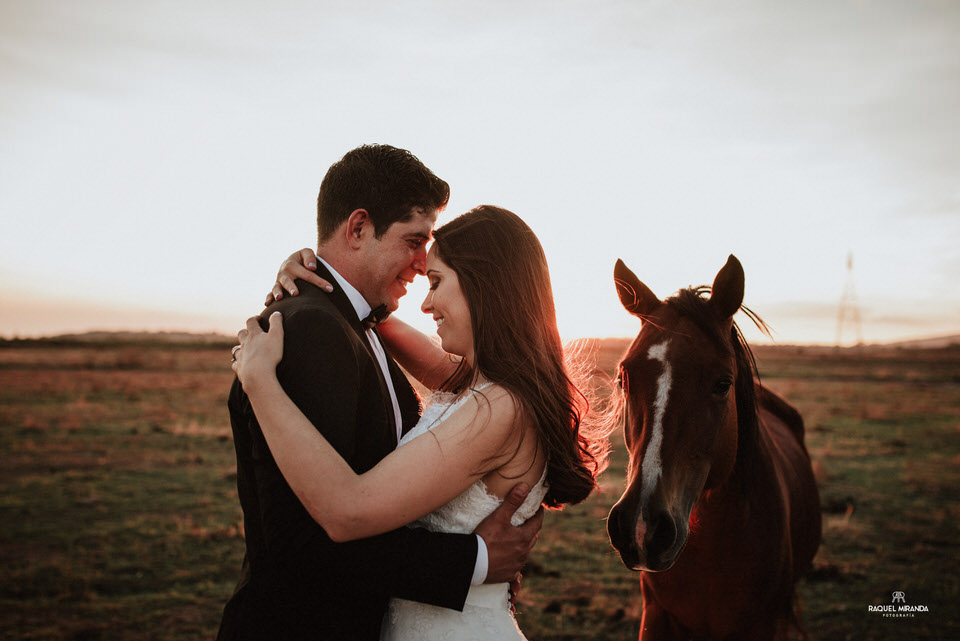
(899, 608)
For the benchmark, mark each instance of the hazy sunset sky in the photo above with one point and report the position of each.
(159, 160)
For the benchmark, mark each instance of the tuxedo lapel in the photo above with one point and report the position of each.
(338, 296)
(349, 313)
(407, 397)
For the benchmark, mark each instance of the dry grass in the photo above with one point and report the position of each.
(120, 517)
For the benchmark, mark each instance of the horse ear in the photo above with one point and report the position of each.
(635, 296)
(727, 292)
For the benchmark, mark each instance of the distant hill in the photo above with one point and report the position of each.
(606, 345)
(127, 338)
(934, 342)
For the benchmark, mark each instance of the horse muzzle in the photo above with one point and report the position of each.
(647, 543)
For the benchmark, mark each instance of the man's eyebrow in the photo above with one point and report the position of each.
(419, 234)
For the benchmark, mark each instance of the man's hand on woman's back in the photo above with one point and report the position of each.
(509, 546)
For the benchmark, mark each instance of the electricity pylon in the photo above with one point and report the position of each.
(849, 313)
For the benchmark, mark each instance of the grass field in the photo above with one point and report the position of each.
(120, 518)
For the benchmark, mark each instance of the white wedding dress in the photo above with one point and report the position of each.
(486, 614)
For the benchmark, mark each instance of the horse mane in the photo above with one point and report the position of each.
(692, 304)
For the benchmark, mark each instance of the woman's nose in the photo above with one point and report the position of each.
(427, 306)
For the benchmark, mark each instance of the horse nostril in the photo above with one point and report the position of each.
(662, 533)
(614, 527)
(621, 528)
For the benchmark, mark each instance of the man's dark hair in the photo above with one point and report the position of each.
(386, 181)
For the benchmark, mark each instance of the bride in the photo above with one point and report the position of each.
(505, 411)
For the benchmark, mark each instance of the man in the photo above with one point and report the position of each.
(375, 213)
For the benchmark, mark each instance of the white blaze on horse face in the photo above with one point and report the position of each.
(651, 468)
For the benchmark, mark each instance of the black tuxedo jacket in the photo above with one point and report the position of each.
(295, 582)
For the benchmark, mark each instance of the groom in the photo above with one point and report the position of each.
(375, 213)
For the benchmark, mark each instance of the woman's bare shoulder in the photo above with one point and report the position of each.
(518, 456)
(497, 402)
(488, 417)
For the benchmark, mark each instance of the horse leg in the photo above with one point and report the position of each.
(658, 625)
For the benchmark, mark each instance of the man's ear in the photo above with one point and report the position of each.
(358, 228)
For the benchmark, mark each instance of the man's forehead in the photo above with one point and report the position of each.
(426, 213)
(421, 222)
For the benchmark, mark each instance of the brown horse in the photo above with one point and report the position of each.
(721, 511)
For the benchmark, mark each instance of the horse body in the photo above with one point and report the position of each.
(735, 576)
(721, 511)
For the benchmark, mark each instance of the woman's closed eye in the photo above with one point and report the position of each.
(434, 283)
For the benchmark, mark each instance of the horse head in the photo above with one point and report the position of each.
(680, 412)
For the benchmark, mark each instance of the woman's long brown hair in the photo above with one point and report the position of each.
(505, 280)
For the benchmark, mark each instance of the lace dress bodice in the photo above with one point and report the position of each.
(463, 514)
(486, 614)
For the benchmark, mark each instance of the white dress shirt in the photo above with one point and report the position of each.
(363, 309)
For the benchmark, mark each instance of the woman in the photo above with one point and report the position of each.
(506, 411)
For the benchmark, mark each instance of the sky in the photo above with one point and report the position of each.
(159, 160)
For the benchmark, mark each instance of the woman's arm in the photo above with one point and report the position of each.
(418, 353)
(301, 264)
(412, 481)
(415, 351)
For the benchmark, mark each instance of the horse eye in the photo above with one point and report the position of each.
(721, 387)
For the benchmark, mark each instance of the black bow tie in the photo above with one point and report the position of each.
(377, 315)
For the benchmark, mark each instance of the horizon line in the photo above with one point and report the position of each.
(115, 334)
